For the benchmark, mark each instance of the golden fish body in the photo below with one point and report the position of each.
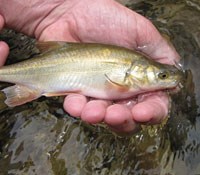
(95, 70)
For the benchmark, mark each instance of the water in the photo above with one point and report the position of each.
(40, 138)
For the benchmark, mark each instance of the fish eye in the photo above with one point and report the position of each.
(163, 75)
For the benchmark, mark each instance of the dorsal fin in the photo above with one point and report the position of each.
(49, 45)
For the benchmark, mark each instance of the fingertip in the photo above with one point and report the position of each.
(118, 118)
(4, 51)
(74, 104)
(126, 128)
(117, 114)
(143, 112)
(94, 111)
(151, 111)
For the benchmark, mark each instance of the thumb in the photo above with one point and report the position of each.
(4, 49)
(152, 43)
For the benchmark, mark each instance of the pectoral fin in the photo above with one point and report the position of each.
(121, 86)
(17, 95)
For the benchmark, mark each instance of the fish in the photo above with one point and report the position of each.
(95, 70)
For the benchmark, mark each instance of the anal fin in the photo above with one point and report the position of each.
(52, 94)
(17, 95)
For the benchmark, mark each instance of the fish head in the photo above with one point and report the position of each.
(168, 76)
(154, 76)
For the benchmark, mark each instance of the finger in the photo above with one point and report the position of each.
(94, 111)
(147, 38)
(74, 104)
(119, 118)
(150, 41)
(153, 108)
(1, 22)
(124, 128)
(4, 50)
(117, 114)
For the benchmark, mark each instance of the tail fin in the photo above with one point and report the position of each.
(17, 95)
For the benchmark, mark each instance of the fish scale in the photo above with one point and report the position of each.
(95, 70)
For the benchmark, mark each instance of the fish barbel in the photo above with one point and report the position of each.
(95, 70)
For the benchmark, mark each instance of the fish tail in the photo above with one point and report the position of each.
(17, 95)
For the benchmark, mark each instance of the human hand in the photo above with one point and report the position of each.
(4, 49)
(104, 21)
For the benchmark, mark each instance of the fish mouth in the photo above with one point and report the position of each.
(176, 88)
(179, 84)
